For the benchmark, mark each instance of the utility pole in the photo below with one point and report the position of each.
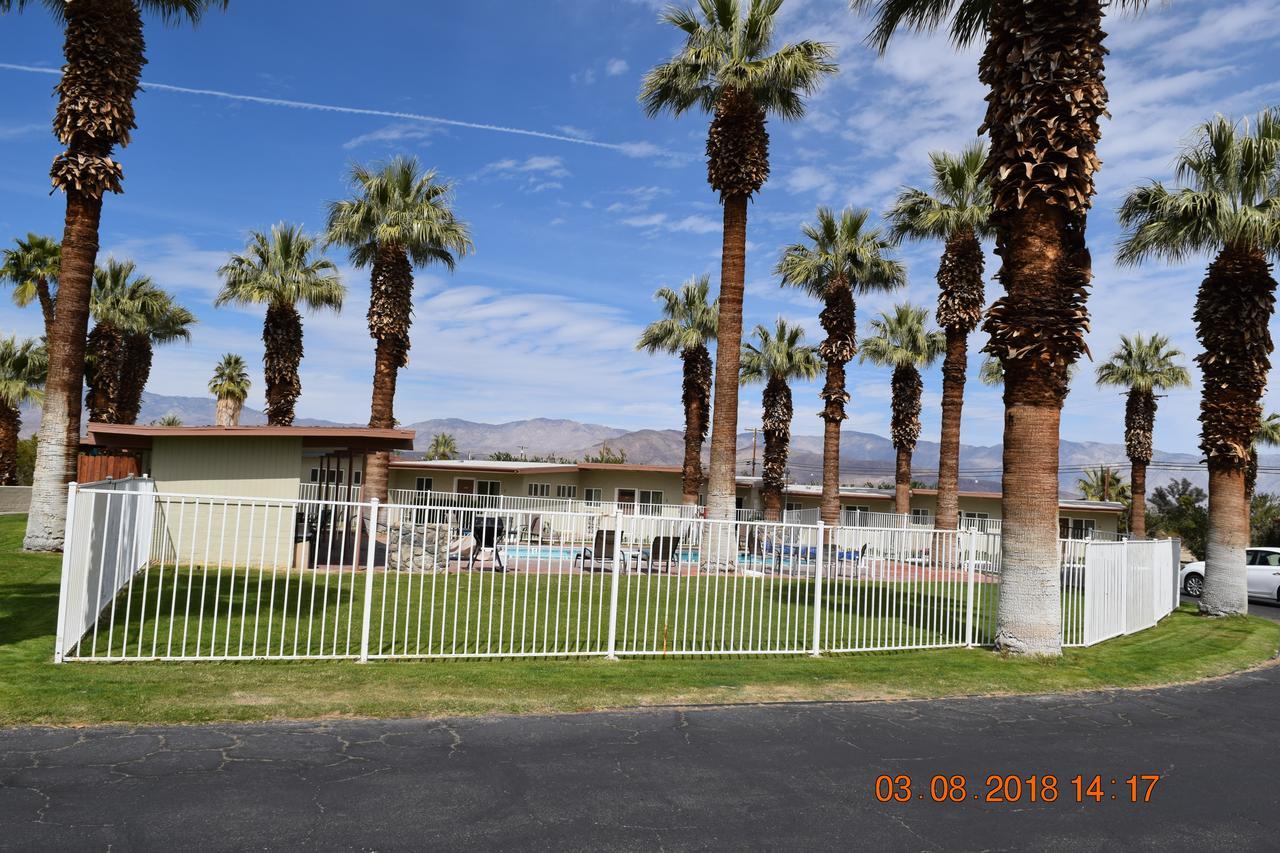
(754, 432)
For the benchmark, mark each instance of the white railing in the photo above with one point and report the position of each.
(455, 501)
(159, 576)
(328, 492)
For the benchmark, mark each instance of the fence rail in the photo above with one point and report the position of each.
(455, 501)
(151, 575)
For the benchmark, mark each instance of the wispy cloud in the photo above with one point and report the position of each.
(392, 134)
(692, 224)
(614, 67)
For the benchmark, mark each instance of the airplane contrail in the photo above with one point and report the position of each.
(631, 149)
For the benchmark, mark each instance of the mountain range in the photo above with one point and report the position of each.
(863, 456)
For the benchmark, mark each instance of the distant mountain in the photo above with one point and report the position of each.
(863, 456)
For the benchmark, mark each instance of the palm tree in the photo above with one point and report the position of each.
(443, 446)
(32, 270)
(901, 340)
(1043, 65)
(104, 51)
(688, 324)
(955, 210)
(843, 257)
(121, 303)
(1144, 366)
(727, 68)
(1229, 205)
(991, 373)
(172, 420)
(1104, 483)
(279, 270)
(1268, 435)
(779, 357)
(166, 322)
(230, 387)
(400, 217)
(23, 365)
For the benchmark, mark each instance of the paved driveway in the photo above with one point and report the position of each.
(1263, 609)
(741, 778)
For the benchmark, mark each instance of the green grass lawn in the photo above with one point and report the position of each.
(34, 690)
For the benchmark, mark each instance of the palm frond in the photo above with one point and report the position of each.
(902, 339)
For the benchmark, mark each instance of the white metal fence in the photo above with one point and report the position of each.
(455, 501)
(155, 575)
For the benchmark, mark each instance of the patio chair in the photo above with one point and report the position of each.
(600, 556)
(489, 534)
(664, 551)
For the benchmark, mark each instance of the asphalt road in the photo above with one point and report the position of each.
(1263, 609)
(739, 778)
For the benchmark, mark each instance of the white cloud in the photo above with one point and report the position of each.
(808, 178)
(393, 133)
(692, 224)
(614, 67)
(19, 131)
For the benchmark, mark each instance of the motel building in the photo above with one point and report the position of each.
(326, 463)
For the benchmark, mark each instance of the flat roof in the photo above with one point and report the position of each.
(521, 467)
(136, 436)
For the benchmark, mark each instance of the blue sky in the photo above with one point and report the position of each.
(573, 238)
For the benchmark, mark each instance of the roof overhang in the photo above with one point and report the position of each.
(135, 437)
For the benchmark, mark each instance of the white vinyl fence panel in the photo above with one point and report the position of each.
(152, 575)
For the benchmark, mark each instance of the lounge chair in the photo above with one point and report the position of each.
(489, 534)
(600, 556)
(664, 551)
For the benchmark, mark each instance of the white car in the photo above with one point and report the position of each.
(1262, 564)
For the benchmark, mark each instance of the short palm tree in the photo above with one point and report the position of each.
(1104, 483)
(1043, 66)
(281, 271)
(230, 388)
(1268, 435)
(1144, 366)
(104, 50)
(1228, 205)
(121, 304)
(167, 322)
(903, 341)
(23, 365)
(728, 68)
(443, 446)
(688, 324)
(842, 257)
(956, 210)
(400, 217)
(775, 358)
(169, 420)
(32, 270)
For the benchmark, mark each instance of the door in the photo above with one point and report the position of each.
(465, 487)
(1264, 572)
(627, 500)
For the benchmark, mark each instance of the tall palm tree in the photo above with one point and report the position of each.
(956, 209)
(280, 270)
(1144, 366)
(443, 446)
(399, 218)
(688, 324)
(728, 68)
(23, 365)
(777, 358)
(32, 270)
(230, 388)
(104, 51)
(121, 304)
(1043, 66)
(1268, 435)
(166, 322)
(843, 257)
(903, 341)
(1228, 205)
(1104, 483)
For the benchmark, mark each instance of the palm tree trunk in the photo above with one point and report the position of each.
(776, 421)
(722, 486)
(46, 304)
(225, 412)
(390, 310)
(697, 387)
(829, 507)
(106, 348)
(1138, 502)
(134, 374)
(1233, 312)
(281, 358)
(10, 424)
(838, 319)
(954, 366)
(904, 429)
(59, 444)
(902, 481)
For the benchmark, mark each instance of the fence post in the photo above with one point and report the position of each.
(612, 647)
(972, 579)
(68, 532)
(368, 582)
(1124, 589)
(1176, 546)
(817, 589)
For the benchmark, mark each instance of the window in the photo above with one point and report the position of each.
(488, 487)
(792, 507)
(976, 521)
(566, 491)
(422, 484)
(648, 500)
(920, 516)
(856, 508)
(539, 490)
(591, 495)
(1075, 528)
(315, 475)
(355, 478)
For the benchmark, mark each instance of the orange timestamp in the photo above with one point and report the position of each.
(1013, 788)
